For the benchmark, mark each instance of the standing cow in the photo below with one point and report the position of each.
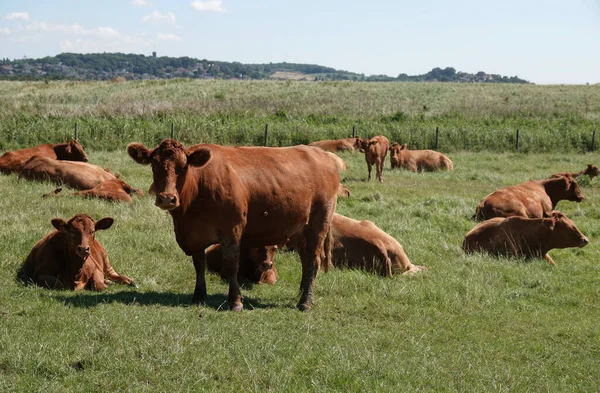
(12, 161)
(524, 237)
(71, 257)
(259, 195)
(375, 150)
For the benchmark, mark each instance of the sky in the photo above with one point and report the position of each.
(545, 42)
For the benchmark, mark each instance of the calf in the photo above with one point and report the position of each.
(71, 257)
(78, 175)
(524, 237)
(531, 199)
(361, 244)
(12, 161)
(375, 150)
(256, 263)
(110, 190)
(336, 145)
(418, 160)
(591, 171)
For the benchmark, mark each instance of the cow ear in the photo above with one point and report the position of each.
(59, 223)
(105, 223)
(199, 157)
(404, 147)
(139, 153)
(550, 222)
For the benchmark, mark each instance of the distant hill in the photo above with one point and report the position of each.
(106, 66)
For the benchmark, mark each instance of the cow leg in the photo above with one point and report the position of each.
(550, 260)
(200, 267)
(379, 169)
(50, 282)
(114, 276)
(230, 249)
(315, 233)
(369, 165)
(98, 281)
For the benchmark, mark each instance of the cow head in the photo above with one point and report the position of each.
(591, 171)
(573, 191)
(362, 144)
(80, 231)
(71, 151)
(170, 162)
(564, 231)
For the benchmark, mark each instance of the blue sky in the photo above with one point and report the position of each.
(546, 42)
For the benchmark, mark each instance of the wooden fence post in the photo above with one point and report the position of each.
(354, 131)
(76, 133)
(437, 138)
(172, 130)
(517, 145)
(266, 134)
(593, 139)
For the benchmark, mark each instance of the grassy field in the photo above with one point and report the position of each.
(471, 117)
(470, 323)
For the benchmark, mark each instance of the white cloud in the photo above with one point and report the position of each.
(17, 16)
(208, 6)
(4, 31)
(75, 29)
(93, 45)
(157, 18)
(168, 37)
(139, 3)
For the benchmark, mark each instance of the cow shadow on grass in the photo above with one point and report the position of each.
(136, 298)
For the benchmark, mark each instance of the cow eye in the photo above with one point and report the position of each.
(181, 171)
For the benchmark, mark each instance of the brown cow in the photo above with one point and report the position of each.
(71, 257)
(524, 237)
(591, 171)
(531, 199)
(263, 196)
(418, 160)
(375, 150)
(78, 175)
(256, 264)
(336, 145)
(361, 244)
(12, 161)
(110, 190)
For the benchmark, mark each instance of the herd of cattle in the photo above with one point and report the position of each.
(233, 207)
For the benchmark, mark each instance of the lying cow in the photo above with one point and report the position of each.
(110, 190)
(531, 199)
(71, 257)
(418, 160)
(361, 244)
(591, 171)
(223, 194)
(12, 161)
(375, 150)
(256, 264)
(336, 145)
(78, 175)
(524, 237)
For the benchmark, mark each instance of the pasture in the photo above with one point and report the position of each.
(470, 323)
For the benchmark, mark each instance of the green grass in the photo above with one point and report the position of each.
(470, 323)
(471, 117)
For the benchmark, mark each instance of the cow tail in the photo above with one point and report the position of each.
(327, 259)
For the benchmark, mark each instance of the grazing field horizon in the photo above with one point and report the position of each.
(470, 117)
(469, 323)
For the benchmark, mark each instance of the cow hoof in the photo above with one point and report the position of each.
(237, 307)
(303, 306)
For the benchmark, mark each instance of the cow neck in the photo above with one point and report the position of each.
(553, 188)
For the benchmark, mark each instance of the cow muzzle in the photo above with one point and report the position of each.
(166, 201)
(584, 242)
(83, 252)
(265, 266)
